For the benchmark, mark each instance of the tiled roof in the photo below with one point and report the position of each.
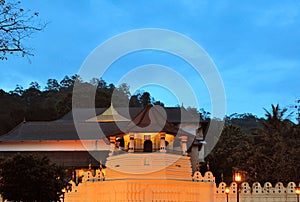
(60, 131)
(174, 114)
(65, 129)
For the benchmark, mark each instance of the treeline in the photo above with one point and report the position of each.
(263, 149)
(55, 100)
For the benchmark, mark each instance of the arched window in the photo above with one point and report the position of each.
(148, 146)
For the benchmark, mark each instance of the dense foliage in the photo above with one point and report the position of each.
(34, 104)
(31, 178)
(269, 152)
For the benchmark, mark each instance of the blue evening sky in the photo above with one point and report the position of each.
(254, 44)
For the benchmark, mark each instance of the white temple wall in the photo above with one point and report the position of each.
(198, 188)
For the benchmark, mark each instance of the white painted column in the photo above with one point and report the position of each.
(112, 140)
(131, 143)
(183, 145)
(162, 142)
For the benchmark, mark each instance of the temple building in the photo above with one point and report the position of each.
(136, 152)
(166, 130)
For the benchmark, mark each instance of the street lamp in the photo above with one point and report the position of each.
(227, 190)
(238, 180)
(297, 190)
(63, 194)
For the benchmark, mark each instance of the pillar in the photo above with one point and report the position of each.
(183, 145)
(131, 143)
(112, 140)
(162, 142)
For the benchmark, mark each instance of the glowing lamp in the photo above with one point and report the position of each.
(237, 177)
(227, 190)
(297, 190)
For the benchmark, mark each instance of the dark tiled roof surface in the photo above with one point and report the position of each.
(174, 114)
(151, 119)
(64, 129)
(60, 131)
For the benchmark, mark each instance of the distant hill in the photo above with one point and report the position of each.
(247, 122)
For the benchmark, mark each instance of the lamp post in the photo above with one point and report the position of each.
(227, 190)
(238, 180)
(297, 190)
(63, 194)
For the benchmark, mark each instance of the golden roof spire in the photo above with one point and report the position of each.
(109, 115)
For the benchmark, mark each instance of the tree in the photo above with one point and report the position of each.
(52, 85)
(34, 85)
(134, 101)
(230, 153)
(194, 111)
(297, 107)
(120, 96)
(248, 122)
(31, 94)
(67, 82)
(18, 90)
(146, 99)
(276, 149)
(31, 178)
(204, 115)
(16, 25)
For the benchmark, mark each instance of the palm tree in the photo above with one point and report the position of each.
(273, 154)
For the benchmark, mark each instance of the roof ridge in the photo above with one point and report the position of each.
(14, 129)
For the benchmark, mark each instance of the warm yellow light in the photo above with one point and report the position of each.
(237, 177)
(227, 190)
(80, 173)
(297, 190)
(63, 190)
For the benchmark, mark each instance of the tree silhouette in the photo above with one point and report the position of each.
(52, 85)
(16, 25)
(276, 148)
(229, 154)
(31, 178)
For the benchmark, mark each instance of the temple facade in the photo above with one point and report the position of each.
(149, 147)
(142, 130)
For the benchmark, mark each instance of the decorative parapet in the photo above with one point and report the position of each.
(268, 188)
(89, 177)
(290, 188)
(221, 188)
(258, 189)
(245, 188)
(257, 192)
(208, 177)
(100, 176)
(198, 188)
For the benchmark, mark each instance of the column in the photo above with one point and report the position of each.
(131, 142)
(183, 145)
(112, 140)
(201, 154)
(76, 177)
(162, 142)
